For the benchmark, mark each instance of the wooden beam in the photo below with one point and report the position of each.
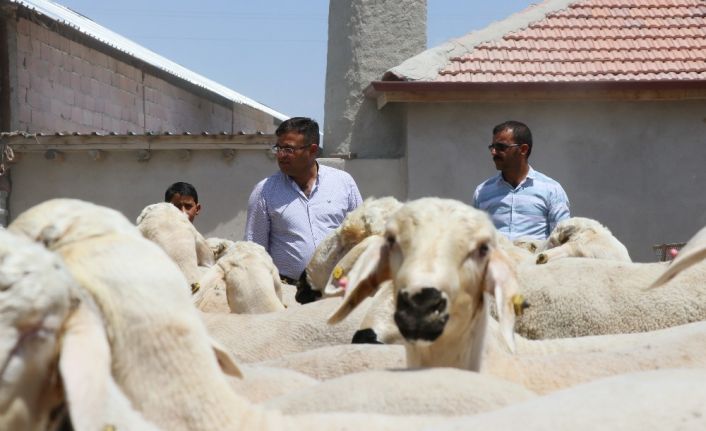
(382, 100)
(427, 92)
(538, 96)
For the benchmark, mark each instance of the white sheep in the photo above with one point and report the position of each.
(646, 401)
(328, 362)
(382, 392)
(533, 245)
(576, 297)
(154, 331)
(519, 250)
(214, 295)
(252, 283)
(442, 256)
(582, 237)
(219, 246)
(149, 304)
(261, 383)
(368, 219)
(439, 276)
(45, 320)
(163, 224)
(261, 337)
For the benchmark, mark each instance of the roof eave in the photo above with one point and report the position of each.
(427, 91)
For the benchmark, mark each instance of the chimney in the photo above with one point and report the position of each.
(365, 39)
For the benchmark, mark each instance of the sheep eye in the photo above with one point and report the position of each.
(483, 250)
(390, 240)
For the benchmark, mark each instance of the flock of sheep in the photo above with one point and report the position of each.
(108, 325)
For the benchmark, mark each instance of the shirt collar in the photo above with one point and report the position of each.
(531, 175)
(319, 174)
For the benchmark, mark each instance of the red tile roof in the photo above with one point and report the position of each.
(594, 40)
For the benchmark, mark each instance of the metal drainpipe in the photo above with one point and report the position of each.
(6, 156)
(5, 188)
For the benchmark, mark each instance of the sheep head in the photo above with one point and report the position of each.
(171, 229)
(35, 299)
(442, 257)
(219, 246)
(335, 250)
(75, 229)
(53, 347)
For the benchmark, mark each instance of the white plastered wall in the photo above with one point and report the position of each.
(119, 181)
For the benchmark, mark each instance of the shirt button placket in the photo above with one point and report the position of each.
(512, 211)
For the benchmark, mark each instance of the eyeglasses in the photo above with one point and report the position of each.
(501, 147)
(276, 149)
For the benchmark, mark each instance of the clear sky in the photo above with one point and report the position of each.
(272, 51)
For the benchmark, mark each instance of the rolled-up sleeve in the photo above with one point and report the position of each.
(257, 226)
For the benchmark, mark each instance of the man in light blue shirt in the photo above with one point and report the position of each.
(521, 202)
(292, 211)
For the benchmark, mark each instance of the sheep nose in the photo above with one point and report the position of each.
(421, 316)
(425, 301)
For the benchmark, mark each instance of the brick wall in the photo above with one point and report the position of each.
(64, 85)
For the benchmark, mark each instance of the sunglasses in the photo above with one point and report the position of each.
(501, 147)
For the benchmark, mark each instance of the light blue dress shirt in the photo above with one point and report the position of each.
(531, 209)
(289, 225)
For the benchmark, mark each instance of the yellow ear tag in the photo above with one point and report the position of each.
(195, 287)
(519, 303)
(337, 272)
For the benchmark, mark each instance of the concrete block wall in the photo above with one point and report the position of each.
(249, 119)
(172, 108)
(65, 85)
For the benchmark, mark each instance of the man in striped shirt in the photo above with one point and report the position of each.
(292, 211)
(521, 201)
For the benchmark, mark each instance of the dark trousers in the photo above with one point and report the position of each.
(305, 293)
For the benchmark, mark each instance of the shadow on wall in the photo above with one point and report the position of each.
(378, 133)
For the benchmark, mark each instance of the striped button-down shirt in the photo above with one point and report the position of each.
(289, 225)
(531, 209)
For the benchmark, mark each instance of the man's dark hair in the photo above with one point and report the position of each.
(520, 133)
(181, 188)
(303, 126)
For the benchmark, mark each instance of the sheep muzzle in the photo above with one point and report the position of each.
(423, 315)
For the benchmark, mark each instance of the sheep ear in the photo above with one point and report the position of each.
(94, 399)
(692, 253)
(567, 232)
(345, 266)
(501, 282)
(225, 359)
(369, 270)
(84, 365)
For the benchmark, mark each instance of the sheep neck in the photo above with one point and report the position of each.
(170, 375)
